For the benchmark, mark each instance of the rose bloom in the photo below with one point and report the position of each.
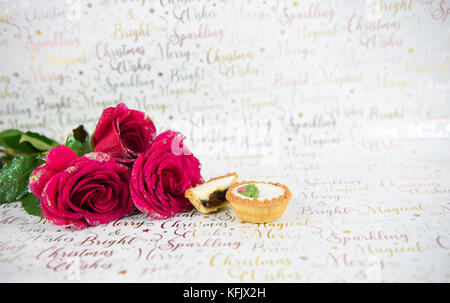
(123, 133)
(161, 175)
(81, 191)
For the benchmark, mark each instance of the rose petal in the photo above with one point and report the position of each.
(59, 157)
(39, 178)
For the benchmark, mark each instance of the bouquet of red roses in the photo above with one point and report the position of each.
(91, 180)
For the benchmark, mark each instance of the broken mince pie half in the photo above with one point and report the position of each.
(258, 202)
(210, 196)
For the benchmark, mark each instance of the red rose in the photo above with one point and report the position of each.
(161, 175)
(123, 133)
(84, 191)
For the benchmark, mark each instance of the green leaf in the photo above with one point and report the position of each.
(5, 159)
(80, 133)
(32, 205)
(8, 134)
(10, 139)
(77, 146)
(38, 141)
(251, 191)
(79, 141)
(14, 177)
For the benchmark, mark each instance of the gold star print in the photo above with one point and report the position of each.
(38, 32)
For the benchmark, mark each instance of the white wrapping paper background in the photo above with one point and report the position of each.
(345, 102)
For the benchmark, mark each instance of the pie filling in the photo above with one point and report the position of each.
(215, 198)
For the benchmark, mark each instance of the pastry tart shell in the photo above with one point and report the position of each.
(254, 210)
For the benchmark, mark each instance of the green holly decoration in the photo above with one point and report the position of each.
(249, 190)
